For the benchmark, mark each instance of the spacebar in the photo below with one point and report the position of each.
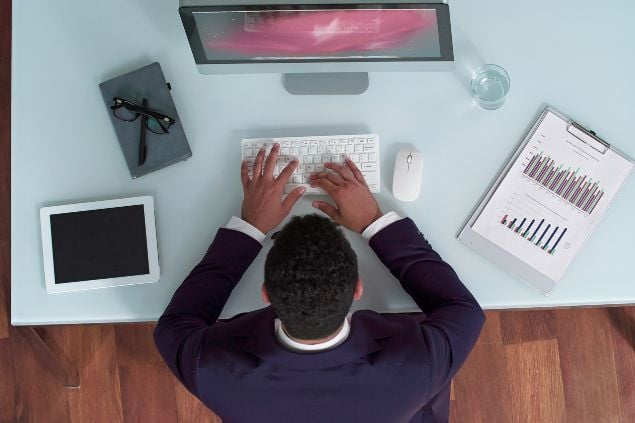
(309, 189)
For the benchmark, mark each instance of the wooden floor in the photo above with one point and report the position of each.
(573, 365)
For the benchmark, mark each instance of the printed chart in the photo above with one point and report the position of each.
(548, 234)
(551, 197)
(579, 190)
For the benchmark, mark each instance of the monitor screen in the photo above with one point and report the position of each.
(99, 244)
(317, 33)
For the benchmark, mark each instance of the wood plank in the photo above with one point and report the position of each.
(190, 409)
(40, 397)
(481, 387)
(588, 368)
(527, 325)
(50, 355)
(93, 350)
(491, 332)
(623, 330)
(7, 382)
(147, 393)
(135, 344)
(535, 381)
(5, 165)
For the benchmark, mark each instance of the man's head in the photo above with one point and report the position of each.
(311, 277)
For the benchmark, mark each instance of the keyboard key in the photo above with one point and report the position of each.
(369, 166)
(309, 189)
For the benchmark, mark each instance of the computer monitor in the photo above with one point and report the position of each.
(323, 48)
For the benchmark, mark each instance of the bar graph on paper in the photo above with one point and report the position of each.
(551, 196)
(541, 233)
(569, 184)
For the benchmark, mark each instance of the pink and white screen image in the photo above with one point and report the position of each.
(319, 34)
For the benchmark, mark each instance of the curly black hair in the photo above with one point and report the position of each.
(310, 277)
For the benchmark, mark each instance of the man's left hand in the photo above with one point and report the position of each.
(263, 206)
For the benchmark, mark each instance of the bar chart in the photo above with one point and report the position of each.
(539, 232)
(577, 189)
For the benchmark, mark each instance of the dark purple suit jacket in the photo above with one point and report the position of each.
(392, 367)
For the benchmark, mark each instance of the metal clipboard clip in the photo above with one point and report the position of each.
(588, 137)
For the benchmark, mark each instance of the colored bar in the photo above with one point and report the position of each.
(543, 234)
(548, 177)
(521, 225)
(531, 162)
(544, 247)
(591, 198)
(577, 190)
(553, 183)
(537, 165)
(528, 228)
(544, 169)
(537, 229)
(533, 166)
(504, 220)
(511, 224)
(584, 196)
(565, 180)
(572, 186)
(558, 241)
(595, 203)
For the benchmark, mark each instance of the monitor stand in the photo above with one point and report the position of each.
(328, 83)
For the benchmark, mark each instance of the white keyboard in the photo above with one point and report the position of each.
(313, 152)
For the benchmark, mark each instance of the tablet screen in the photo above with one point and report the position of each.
(99, 244)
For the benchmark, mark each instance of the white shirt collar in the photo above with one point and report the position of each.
(295, 346)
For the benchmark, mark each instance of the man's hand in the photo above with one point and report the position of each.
(263, 207)
(356, 207)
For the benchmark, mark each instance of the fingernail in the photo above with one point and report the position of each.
(262, 149)
(302, 190)
(315, 204)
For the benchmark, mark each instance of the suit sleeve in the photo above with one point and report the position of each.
(454, 318)
(199, 300)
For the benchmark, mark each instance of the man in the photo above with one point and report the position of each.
(303, 359)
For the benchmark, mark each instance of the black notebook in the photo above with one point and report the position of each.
(161, 149)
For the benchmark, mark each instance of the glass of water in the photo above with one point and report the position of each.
(490, 84)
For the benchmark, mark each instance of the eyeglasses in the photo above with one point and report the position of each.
(128, 111)
(155, 122)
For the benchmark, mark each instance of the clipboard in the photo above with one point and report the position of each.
(526, 246)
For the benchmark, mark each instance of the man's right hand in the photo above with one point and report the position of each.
(355, 207)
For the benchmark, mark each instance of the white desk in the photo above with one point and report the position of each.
(576, 56)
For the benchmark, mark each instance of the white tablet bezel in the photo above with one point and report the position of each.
(151, 238)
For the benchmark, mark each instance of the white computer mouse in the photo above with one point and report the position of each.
(406, 181)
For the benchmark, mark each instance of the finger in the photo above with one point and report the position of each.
(325, 184)
(257, 171)
(343, 170)
(328, 209)
(244, 173)
(286, 173)
(355, 171)
(292, 198)
(334, 178)
(270, 164)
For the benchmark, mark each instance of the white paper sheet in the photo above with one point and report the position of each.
(552, 197)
